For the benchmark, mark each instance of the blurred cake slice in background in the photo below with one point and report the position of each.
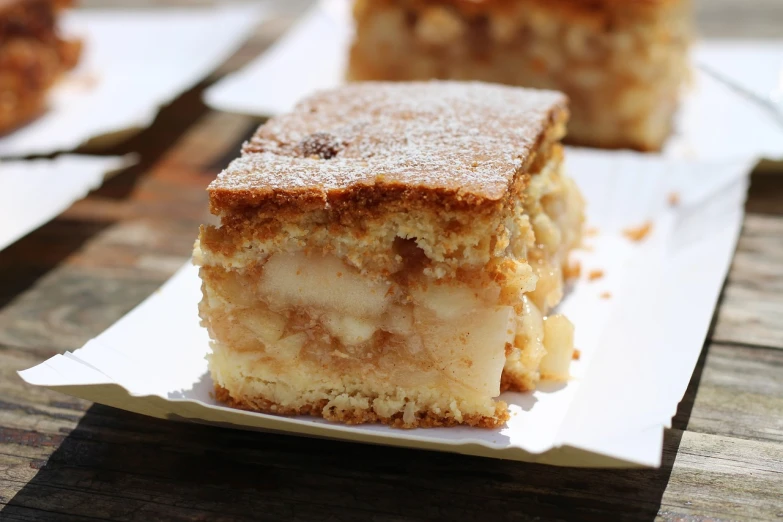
(33, 55)
(622, 63)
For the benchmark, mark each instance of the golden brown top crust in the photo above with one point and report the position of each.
(477, 6)
(607, 13)
(453, 144)
(596, 4)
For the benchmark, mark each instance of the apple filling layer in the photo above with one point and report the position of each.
(305, 330)
(311, 329)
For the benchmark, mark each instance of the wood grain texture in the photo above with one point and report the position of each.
(752, 307)
(65, 459)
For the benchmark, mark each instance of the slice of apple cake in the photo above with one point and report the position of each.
(389, 252)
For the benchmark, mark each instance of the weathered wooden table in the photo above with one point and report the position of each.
(66, 459)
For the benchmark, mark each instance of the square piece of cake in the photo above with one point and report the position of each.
(622, 63)
(32, 57)
(389, 252)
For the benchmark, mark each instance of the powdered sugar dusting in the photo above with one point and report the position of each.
(468, 138)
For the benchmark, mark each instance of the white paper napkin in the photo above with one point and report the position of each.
(33, 192)
(753, 65)
(638, 348)
(714, 122)
(134, 61)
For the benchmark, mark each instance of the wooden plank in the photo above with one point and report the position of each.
(246, 474)
(743, 19)
(724, 478)
(739, 394)
(117, 464)
(765, 195)
(751, 309)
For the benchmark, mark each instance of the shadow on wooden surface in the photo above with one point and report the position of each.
(233, 153)
(33, 256)
(171, 124)
(124, 466)
(765, 193)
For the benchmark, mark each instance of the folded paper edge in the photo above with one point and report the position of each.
(581, 415)
(186, 410)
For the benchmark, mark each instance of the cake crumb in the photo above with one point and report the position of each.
(84, 82)
(606, 295)
(591, 232)
(577, 354)
(638, 233)
(674, 199)
(572, 270)
(595, 274)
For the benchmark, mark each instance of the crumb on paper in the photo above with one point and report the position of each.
(595, 274)
(638, 233)
(674, 199)
(577, 354)
(606, 295)
(586, 248)
(592, 232)
(572, 270)
(81, 81)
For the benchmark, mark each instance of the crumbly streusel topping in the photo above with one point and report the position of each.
(467, 140)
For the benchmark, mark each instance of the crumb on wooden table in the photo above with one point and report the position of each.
(577, 354)
(606, 295)
(572, 270)
(638, 233)
(673, 199)
(595, 274)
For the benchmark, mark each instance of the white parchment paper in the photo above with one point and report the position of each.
(639, 346)
(33, 192)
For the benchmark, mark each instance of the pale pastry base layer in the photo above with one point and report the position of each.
(242, 381)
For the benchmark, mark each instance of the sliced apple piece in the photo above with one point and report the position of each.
(289, 347)
(324, 283)
(530, 330)
(398, 320)
(264, 324)
(349, 330)
(447, 301)
(472, 349)
(559, 342)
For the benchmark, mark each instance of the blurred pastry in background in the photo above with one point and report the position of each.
(622, 63)
(33, 55)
